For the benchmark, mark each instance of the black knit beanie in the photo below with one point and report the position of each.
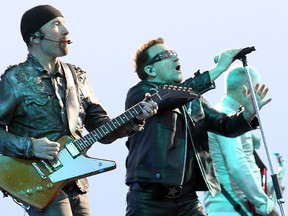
(33, 19)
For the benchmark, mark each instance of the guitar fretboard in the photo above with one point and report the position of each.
(88, 140)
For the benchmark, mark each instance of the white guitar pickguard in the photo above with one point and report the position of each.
(79, 166)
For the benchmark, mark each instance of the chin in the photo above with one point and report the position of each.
(179, 80)
(176, 82)
(64, 52)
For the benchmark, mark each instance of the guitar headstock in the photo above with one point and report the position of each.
(171, 91)
(281, 162)
(280, 159)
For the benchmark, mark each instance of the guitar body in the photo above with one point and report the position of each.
(36, 182)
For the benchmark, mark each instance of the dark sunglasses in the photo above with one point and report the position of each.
(166, 54)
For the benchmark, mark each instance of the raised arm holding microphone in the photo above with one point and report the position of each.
(43, 99)
(169, 160)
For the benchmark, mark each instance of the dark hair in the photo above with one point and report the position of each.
(141, 57)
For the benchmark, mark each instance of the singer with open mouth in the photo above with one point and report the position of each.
(169, 161)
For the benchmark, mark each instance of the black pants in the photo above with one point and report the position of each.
(149, 200)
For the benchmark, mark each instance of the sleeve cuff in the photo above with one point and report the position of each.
(29, 148)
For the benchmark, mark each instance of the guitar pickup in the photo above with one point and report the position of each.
(56, 164)
(72, 149)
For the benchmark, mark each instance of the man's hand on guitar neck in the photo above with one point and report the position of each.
(44, 148)
(149, 108)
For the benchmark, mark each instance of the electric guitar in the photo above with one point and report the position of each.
(269, 189)
(36, 182)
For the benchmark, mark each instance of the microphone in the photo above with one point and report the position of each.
(240, 55)
(68, 41)
(41, 36)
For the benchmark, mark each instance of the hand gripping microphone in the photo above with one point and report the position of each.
(240, 55)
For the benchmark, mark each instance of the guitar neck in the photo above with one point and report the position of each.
(88, 140)
(166, 91)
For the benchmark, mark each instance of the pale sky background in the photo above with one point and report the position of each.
(105, 36)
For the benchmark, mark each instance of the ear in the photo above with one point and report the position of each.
(37, 34)
(150, 70)
(36, 37)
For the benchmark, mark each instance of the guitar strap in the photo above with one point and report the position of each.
(236, 205)
(263, 170)
(72, 102)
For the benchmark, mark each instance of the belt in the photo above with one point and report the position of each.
(173, 191)
(168, 191)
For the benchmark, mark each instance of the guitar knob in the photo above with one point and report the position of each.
(39, 188)
(49, 185)
(29, 191)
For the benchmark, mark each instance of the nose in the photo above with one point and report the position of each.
(65, 30)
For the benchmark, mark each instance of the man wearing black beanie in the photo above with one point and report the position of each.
(44, 104)
(32, 20)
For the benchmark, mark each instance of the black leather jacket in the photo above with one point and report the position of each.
(157, 154)
(29, 107)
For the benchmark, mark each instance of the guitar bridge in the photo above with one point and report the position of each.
(47, 166)
(38, 170)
